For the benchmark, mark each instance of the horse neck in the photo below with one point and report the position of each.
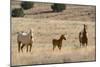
(60, 39)
(30, 33)
(84, 29)
(84, 32)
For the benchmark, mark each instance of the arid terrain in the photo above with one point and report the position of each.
(46, 26)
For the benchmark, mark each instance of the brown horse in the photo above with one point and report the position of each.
(83, 37)
(24, 38)
(58, 42)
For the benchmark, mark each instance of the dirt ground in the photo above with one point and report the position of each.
(46, 26)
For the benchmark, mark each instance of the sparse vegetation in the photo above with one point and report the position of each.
(26, 5)
(17, 12)
(58, 7)
(51, 25)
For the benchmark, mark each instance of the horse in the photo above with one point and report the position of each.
(83, 37)
(24, 38)
(58, 42)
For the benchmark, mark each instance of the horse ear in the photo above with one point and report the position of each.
(85, 26)
(30, 31)
(64, 34)
(17, 32)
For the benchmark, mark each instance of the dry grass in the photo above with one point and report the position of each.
(47, 26)
(44, 32)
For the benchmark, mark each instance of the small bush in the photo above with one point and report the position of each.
(26, 5)
(58, 7)
(17, 12)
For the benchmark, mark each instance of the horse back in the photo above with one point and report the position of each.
(25, 39)
(54, 41)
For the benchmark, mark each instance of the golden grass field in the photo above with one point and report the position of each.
(49, 25)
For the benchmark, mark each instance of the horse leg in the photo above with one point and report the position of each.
(19, 43)
(30, 47)
(22, 47)
(54, 47)
(81, 44)
(27, 48)
(86, 43)
(59, 47)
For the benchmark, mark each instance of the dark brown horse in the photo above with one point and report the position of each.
(58, 42)
(83, 37)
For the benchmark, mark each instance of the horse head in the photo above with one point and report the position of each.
(63, 37)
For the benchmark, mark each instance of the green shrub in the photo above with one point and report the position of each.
(58, 7)
(17, 12)
(26, 5)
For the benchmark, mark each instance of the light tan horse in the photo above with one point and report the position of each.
(24, 39)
